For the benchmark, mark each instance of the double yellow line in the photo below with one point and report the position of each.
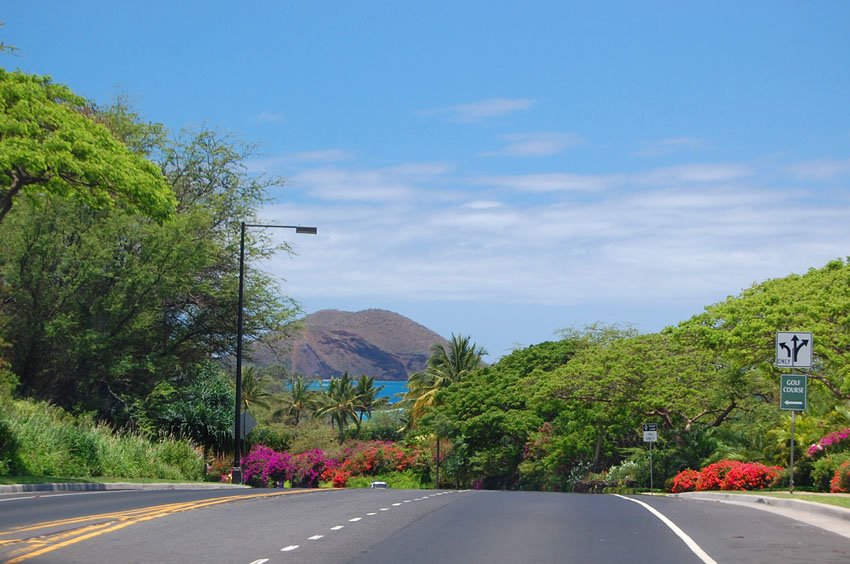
(30, 541)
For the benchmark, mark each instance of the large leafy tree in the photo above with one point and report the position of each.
(102, 305)
(48, 144)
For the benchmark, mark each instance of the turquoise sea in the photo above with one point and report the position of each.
(393, 389)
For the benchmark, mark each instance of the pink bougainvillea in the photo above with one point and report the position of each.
(837, 440)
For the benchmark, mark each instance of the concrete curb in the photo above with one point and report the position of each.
(100, 487)
(795, 504)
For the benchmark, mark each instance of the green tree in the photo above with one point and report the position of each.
(367, 397)
(49, 145)
(101, 305)
(299, 399)
(340, 403)
(445, 367)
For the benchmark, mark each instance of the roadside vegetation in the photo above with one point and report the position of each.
(118, 295)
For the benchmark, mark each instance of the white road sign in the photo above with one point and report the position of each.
(794, 349)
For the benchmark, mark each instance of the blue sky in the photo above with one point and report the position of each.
(500, 169)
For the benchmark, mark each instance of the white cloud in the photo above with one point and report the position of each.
(270, 117)
(483, 109)
(548, 182)
(669, 146)
(818, 170)
(538, 144)
(696, 232)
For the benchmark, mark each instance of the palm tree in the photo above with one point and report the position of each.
(253, 389)
(367, 397)
(445, 367)
(299, 400)
(341, 404)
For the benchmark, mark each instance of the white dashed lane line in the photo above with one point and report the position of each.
(292, 547)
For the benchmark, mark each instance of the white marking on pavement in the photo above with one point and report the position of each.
(355, 519)
(695, 548)
(289, 548)
(260, 561)
(338, 527)
(371, 514)
(385, 509)
(315, 537)
(396, 504)
(406, 501)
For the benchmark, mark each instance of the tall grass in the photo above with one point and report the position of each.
(44, 440)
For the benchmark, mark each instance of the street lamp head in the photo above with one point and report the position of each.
(307, 230)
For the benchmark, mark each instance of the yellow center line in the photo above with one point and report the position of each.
(41, 545)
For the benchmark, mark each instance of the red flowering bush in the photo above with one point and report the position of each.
(711, 477)
(685, 481)
(750, 476)
(840, 482)
(376, 457)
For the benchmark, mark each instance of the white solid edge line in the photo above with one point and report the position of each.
(695, 548)
(290, 547)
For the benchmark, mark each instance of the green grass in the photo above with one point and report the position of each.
(395, 480)
(828, 499)
(823, 498)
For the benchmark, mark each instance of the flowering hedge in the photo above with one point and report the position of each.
(750, 476)
(711, 477)
(726, 475)
(264, 466)
(837, 440)
(840, 482)
(685, 481)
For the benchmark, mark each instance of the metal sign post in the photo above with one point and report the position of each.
(650, 435)
(793, 350)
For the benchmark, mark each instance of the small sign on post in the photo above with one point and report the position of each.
(793, 390)
(650, 432)
(794, 349)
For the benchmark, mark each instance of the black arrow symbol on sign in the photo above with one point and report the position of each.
(798, 344)
(786, 347)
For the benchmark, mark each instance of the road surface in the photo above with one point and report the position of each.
(391, 526)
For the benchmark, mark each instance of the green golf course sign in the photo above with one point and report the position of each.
(792, 391)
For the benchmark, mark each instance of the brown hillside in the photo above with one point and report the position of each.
(374, 342)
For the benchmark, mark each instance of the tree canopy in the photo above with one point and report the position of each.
(49, 144)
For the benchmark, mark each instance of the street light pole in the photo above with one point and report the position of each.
(236, 472)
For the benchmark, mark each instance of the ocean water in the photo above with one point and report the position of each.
(393, 389)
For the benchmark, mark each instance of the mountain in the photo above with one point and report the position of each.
(374, 342)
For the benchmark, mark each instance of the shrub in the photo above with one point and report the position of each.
(711, 477)
(823, 470)
(840, 482)
(263, 465)
(685, 481)
(376, 457)
(830, 443)
(750, 476)
(309, 467)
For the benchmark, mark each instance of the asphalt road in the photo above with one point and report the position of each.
(391, 526)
